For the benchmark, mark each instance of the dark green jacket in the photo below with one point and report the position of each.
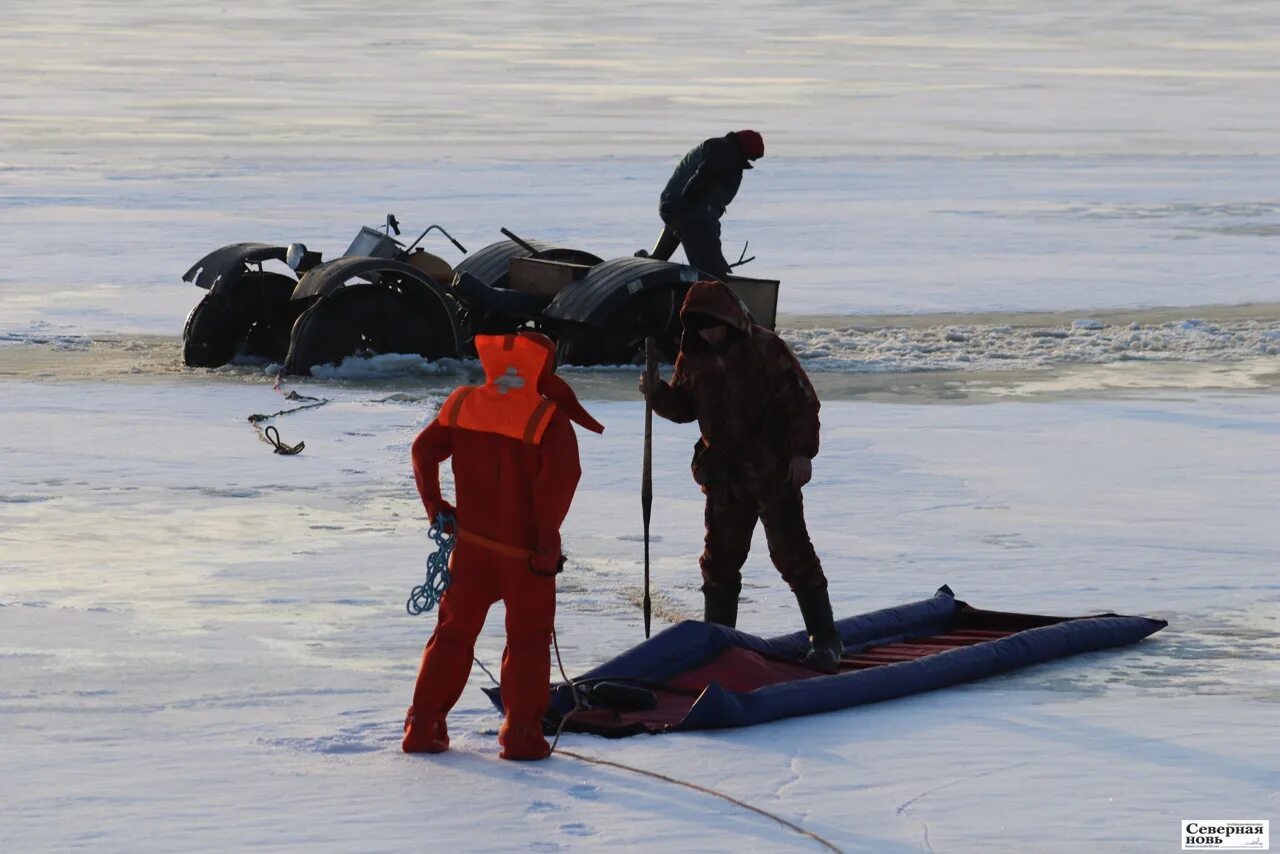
(707, 179)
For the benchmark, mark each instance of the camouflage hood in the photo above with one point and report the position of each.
(715, 299)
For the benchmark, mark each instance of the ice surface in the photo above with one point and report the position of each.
(205, 645)
(979, 347)
(920, 157)
(169, 80)
(845, 236)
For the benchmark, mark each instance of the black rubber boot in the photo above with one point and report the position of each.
(825, 646)
(665, 246)
(720, 604)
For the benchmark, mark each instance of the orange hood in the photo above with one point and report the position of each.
(521, 365)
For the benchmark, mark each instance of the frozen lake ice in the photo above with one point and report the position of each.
(203, 647)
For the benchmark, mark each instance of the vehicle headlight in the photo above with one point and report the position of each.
(295, 254)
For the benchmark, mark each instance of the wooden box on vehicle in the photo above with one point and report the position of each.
(542, 277)
(761, 297)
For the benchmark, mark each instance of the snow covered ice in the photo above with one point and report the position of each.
(1028, 255)
(206, 646)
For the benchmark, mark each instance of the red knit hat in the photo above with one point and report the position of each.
(752, 144)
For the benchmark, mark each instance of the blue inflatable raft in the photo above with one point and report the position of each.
(700, 676)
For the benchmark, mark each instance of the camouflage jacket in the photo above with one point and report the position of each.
(753, 402)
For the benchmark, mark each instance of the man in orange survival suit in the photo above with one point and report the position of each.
(515, 469)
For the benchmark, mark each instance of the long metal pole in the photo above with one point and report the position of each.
(646, 479)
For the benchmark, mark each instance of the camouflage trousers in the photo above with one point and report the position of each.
(701, 239)
(731, 514)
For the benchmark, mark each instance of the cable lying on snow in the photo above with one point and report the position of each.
(271, 435)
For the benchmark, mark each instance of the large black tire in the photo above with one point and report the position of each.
(366, 320)
(254, 320)
(621, 340)
(274, 312)
(212, 334)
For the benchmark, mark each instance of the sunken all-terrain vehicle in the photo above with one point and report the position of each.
(285, 304)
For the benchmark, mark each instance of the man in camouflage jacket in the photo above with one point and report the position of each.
(758, 415)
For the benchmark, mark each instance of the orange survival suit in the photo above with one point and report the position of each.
(515, 469)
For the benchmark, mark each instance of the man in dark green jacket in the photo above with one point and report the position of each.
(695, 198)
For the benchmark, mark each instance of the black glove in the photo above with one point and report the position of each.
(538, 565)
